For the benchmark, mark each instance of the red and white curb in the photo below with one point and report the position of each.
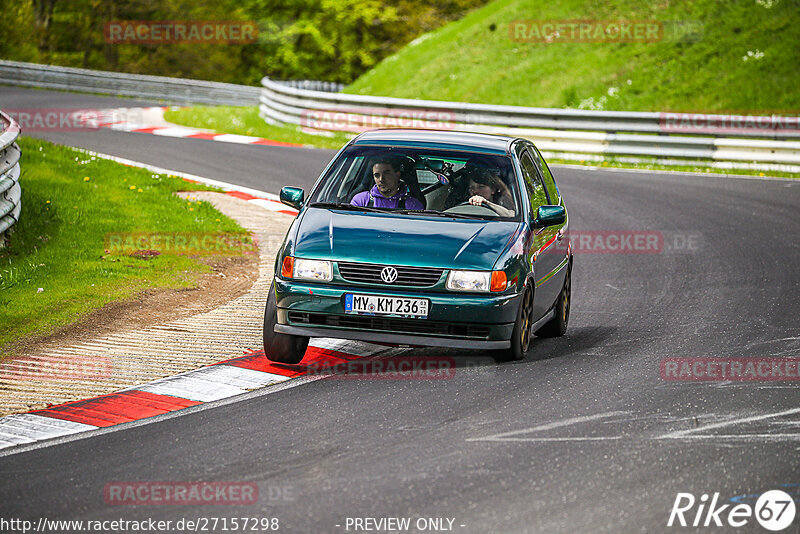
(208, 384)
(151, 121)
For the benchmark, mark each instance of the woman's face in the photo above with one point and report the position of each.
(486, 191)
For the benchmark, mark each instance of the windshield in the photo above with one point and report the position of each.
(420, 181)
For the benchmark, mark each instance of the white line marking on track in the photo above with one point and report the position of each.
(776, 437)
(37, 427)
(238, 376)
(679, 434)
(174, 132)
(506, 436)
(190, 387)
(234, 138)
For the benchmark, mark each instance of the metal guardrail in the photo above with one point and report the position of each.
(10, 190)
(565, 133)
(168, 90)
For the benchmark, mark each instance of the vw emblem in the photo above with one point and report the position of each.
(389, 275)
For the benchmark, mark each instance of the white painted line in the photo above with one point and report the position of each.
(185, 386)
(775, 437)
(679, 434)
(174, 132)
(506, 436)
(67, 426)
(36, 427)
(128, 126)
(234, 138)
(355, 348)
(14, 438)
(239, 377)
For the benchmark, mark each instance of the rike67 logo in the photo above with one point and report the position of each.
(774, 510)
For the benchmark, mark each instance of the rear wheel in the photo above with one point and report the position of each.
(521, 336)
(281, 348)
(557, 326)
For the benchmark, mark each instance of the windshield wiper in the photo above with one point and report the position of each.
(343, 206)
(437, 213)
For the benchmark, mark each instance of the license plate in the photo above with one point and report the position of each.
(375, 304)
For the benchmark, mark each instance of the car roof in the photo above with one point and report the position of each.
(469, 141)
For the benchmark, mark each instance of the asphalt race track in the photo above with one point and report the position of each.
(583, 436)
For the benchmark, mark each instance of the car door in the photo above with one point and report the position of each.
(545, 254)
(540, 264)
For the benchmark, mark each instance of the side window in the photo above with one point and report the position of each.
(549, 182)
(533, 183)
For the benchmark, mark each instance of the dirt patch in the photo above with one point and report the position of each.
(231, 277)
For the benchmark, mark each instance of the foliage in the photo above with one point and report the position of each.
(332, 40)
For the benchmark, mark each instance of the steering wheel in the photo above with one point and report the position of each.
(472, 209)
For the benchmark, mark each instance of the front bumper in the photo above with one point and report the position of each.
(482, 321)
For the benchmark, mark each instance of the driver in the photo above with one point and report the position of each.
(389, 190)
(487, 189)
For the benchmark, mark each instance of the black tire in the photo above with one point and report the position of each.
(557, 326)
(521, 336)
(281, 348)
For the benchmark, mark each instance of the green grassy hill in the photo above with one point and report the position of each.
(747, 59)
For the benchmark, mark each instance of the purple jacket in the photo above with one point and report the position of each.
(362, 199)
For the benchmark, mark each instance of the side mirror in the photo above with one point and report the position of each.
(548, 215)
(292, 196)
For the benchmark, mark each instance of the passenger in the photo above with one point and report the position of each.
(389, 190)
(487, 189)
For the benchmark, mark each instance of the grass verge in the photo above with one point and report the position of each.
(56, 269)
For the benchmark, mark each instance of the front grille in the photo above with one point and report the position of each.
(387, 324)
(369, 273)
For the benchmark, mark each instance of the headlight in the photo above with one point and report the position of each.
(321, 271)
(484, 281)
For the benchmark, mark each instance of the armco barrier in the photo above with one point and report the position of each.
(566, 133)
(166, 89)
(10, 191)
(169, 90)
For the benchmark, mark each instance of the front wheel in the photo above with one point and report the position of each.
(281, 348)
(557, 326)
(521, 336)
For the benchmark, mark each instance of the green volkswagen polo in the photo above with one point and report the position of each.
(424, 238)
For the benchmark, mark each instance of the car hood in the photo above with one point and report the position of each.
(398, 239)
